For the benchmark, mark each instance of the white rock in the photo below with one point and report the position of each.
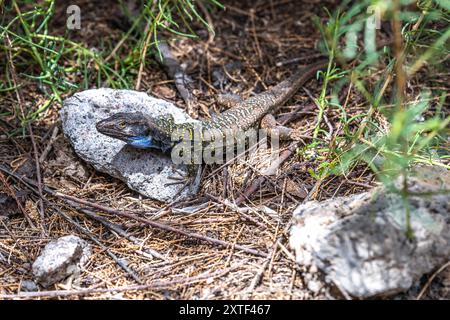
(59, 259)
(144, 171)
(360, 241)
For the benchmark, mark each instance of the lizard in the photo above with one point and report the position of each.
(162, 133)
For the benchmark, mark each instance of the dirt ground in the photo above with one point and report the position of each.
(263, 42)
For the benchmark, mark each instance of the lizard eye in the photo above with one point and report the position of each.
(122, 124)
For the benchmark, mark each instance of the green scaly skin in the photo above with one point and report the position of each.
(164, 134)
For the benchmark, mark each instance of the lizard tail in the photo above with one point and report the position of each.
(287, 88)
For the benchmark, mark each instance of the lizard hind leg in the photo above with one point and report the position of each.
(228, 100)
(269, 124)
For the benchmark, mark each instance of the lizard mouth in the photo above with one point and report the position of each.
(140, 140)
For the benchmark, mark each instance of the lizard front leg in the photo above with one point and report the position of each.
(189, 154)
(191, 178)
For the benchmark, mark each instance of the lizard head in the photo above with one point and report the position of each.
(137, 130)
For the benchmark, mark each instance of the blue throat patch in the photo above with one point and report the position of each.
(142, 142)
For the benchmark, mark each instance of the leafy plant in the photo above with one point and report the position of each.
(395, 132)
(60, 65)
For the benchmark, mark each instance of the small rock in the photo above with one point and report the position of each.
(145, 171)
(314, 286)
(60, 259)
(360, 241)
(28, 285)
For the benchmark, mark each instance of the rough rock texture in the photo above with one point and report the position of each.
(60, 259)
(360, 242)
(144, 171)
(28, 285)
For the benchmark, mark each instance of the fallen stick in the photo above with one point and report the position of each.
(131, 215)
(82, 292)
(272, 169)
(178, 74)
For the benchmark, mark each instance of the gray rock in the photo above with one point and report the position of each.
(144, 171)
(360, 241)
(28, 285)
(59, 259)
(314, 286)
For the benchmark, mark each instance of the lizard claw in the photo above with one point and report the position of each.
(191, 178)
(181, 178)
